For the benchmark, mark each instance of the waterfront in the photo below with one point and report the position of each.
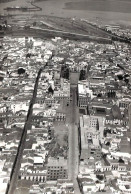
(109, 11)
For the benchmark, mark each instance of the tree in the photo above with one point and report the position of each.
(5, 98)
(120, 160)
(99, 95)
(50, 90)
(97, 182)
(28, 55)
(108, 143)
(82, 75)
(120, 77)
(100, 177)
(21, 71)
(65, 72)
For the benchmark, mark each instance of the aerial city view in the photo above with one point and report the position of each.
(65, 96)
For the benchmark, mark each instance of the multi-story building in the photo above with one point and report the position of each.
(57, 168)
(62, 93)
(91, 129)
(96, 81)
(101, 107)
(124, 103)
(60, 116)
(83, 94)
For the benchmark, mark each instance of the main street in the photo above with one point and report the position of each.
(73, 161)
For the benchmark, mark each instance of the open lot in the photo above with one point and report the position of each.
(61, 127)
(61, 132)
(23, 187)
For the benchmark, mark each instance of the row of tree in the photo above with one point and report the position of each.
(65, 73)
(82, 74)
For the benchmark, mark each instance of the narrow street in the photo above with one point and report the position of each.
(17, 163)
(73, 140)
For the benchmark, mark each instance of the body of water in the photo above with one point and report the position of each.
(112, 11)
(101, 5)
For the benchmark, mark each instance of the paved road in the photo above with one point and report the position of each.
(73, 141)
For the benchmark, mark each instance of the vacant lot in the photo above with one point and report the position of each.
(61, 127)
(61, 132)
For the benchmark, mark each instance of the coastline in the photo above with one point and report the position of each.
(58, 8)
